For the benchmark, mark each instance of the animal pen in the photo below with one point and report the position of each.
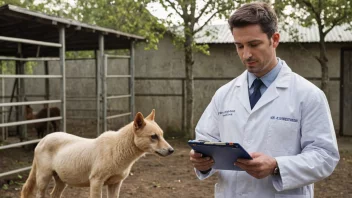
(27, 36)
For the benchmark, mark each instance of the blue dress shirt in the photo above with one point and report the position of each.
(267, 78)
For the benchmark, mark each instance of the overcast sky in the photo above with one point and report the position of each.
(157, 10)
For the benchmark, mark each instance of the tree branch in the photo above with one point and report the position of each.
(173, 6)
(203, 10)
(201, 27)
(193, 10)
(335, 22)
(318, 59)
(310, 6)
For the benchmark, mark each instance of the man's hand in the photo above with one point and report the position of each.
(259, 167)
(199, 162)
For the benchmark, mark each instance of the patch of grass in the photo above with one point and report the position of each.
(5, 187)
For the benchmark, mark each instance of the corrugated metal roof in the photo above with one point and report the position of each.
(65, 21)
(25, 24)
(222, 34)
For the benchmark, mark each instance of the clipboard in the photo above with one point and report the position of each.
(224, 154)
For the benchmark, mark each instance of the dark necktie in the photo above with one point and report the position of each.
(254, 97)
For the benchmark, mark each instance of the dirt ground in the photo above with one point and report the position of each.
(170, 177)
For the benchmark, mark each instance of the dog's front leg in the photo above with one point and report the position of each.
(96, 188)
(114, 190)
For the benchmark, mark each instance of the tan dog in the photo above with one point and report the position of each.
(81, 162)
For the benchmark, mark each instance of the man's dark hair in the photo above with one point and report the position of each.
(255, 13)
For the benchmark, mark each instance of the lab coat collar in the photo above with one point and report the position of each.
(281, 81)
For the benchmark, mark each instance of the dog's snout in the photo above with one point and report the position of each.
(166, 151)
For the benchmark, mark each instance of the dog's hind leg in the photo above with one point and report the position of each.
(58, 188)
(43, 179)
(29, 187)
(114, 190)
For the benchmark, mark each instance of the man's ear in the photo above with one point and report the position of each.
(138, 121)
(151, 116)
(276, 39)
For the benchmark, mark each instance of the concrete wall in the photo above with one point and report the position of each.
(301, 61)
(161, 72)
(223, 64)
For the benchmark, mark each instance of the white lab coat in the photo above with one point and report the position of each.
(291, 122)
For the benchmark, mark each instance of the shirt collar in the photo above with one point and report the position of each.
(268, 78)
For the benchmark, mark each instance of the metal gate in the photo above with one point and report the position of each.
(20, 77)
(106, 98)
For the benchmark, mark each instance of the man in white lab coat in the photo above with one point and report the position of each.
(281, 119)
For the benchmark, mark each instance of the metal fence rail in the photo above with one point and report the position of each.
(30, 76)
(117, 56)
(21, 92)
(15, 171)
(30, 121)
(29, 103)
(120, 96)
(4, 132)
(105, 87)
(81, 117)
(118, 76)
(19, 144)
(80, 99)
(117, 116)
(28, 41)
(28, 59)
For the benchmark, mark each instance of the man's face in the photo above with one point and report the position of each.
(254, 48)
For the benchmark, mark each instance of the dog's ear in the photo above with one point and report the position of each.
(138, 121)
(151, 116)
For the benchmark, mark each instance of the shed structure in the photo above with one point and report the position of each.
(32, 36)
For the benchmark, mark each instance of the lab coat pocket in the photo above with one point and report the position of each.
(219, 191)
(230, 127)
(283, 137)
(229, 121)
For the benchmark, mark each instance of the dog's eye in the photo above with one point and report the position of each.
(154, 137)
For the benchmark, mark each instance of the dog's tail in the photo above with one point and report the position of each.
(28, 187)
